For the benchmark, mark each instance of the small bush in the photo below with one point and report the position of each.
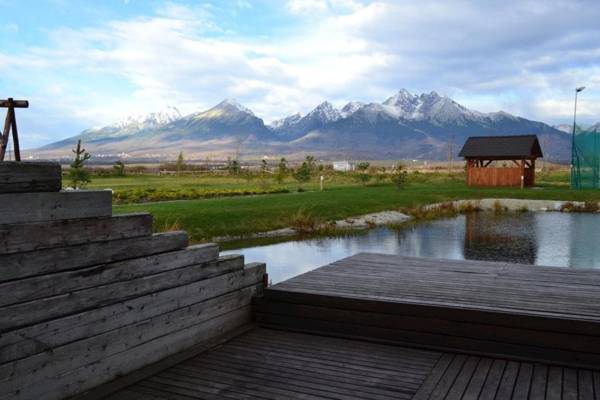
(304, 222)
(498, 207)
(467, 207)
(398, 177)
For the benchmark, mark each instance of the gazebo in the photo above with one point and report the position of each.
(501, 160)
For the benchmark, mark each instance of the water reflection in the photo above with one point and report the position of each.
(505, 237)
(556, 239)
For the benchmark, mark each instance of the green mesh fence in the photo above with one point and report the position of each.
(585, 173)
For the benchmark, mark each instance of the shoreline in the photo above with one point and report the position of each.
(395, 217)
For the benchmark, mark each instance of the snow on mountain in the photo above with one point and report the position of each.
(566, 128)
(351, 108)
(286, 122)
(150, 120)
(324, 112)
(405, 125)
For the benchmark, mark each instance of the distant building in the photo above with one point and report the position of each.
(515, 154)
(344, 166)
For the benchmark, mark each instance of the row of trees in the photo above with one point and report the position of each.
(309, 169)
(79, 176)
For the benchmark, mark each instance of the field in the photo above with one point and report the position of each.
(207, 218)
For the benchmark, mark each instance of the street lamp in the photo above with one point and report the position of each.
(575, 174)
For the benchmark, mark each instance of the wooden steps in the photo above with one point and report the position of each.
(87, 297)
(545, 314)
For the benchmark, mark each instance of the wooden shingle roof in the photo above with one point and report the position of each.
(501, 147)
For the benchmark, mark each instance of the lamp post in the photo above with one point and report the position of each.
(575, 174)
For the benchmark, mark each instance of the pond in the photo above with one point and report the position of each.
(551, 239)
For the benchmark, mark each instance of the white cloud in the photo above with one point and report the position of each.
(523, 57)
(307, 6)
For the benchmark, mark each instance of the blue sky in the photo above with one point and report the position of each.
(89, 63)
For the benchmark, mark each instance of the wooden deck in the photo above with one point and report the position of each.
(279, 365)
(542, 313)
(386, 327)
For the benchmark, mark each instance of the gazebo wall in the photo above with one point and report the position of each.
(503, 176)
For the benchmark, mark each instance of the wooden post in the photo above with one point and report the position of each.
(11, 122)
(522, 174)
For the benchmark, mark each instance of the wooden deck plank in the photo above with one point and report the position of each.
(543, 314)
(275, 365)
(284, 365)
(523, 383)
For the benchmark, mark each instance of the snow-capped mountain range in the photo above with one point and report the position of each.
(405, 125)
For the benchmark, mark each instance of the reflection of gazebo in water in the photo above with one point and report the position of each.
(482, 152)
(509, 238)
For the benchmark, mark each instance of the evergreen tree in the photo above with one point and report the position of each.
(180, 164)
(264, 167)
(119, 168)
(282, 170)
(303, 173)
(233, 166)
(311, 164)
(399, 176)
(78, 175)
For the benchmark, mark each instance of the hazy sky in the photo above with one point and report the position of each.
(89, 63)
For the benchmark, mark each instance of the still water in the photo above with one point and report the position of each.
(552, 239)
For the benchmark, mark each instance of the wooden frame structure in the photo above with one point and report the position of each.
(11, 122)
(521, 151)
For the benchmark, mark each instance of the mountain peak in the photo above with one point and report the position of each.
(325, 112)
(405, 101)
(232, 105)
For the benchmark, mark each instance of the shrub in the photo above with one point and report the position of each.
(398, 177)
(363, 177)
(303, 174)
(498, 207)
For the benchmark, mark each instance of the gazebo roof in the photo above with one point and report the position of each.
(502, 147)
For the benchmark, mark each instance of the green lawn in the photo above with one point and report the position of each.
(148, 188)
(238, 216)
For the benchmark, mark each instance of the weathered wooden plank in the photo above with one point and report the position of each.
(19, 177)
(42, 337)
(478, 380)
(507, 384)
(35, 207)
(488, 392)
(48, 261)
(539, 382)
(117, 385)
(570, 387)
(523, 382)
(93, 374)
(65, 282)
(465, 328)
(461, 382)
(59, 361)
(446, 381)
(16, 238)
(438, 341)
(585, 383)
(554, 384)
(28, 313)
